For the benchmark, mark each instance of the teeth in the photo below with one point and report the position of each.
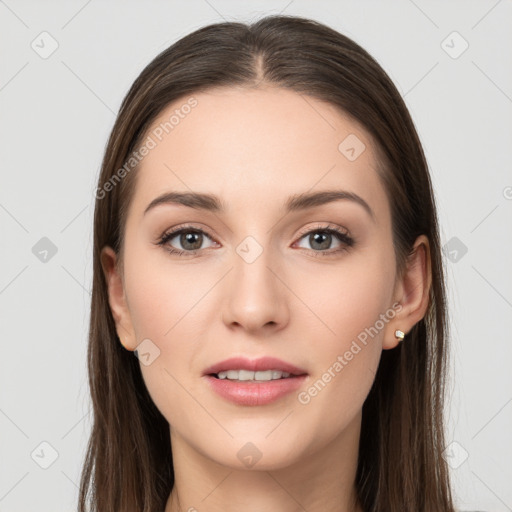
(248, 375)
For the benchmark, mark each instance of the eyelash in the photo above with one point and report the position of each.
(330, 229)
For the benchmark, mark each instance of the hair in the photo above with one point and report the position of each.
(128, 463)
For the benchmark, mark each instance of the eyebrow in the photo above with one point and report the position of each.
(297, 202)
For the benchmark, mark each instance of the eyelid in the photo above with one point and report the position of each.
(324, 227)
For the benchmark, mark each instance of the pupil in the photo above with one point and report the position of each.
(189, 238)
(325, 237)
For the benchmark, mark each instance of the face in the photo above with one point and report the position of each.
(311, 285)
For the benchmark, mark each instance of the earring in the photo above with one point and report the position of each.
(400, 335)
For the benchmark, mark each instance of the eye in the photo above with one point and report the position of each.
(321, 239)
(191, 240)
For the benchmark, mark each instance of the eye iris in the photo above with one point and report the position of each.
(188, 237)
(323, 244)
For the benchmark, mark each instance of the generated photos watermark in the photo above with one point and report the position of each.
(151, 142)
(304, 397)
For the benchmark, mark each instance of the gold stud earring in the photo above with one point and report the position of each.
(400, 335)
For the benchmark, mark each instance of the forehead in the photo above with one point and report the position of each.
(254, 147)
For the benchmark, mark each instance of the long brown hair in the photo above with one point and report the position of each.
(128, 464)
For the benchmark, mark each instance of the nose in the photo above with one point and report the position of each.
(256, 296)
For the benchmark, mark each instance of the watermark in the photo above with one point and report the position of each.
(44, 45)
(351, 147)
(249, 249)
(249, 454)
(44, 250)
(304, 397)
(455, 249)
(146, 352)
(44, 455)
(455, 454)
(454, 45)
(151, 142)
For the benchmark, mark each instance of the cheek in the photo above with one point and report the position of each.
(162, 296)
(348, 298)
(353, 308)
(166, 303)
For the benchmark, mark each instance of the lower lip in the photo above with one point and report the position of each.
(255, 393)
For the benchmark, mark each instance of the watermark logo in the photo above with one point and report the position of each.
(454, 45)
(351, 147)
(455, 249)
(146, 352)
(249, 454)
(44, 250)
(44, 455)
(249, 249)
(455, 454)
(44, 45)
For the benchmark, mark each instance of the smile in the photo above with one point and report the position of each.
(251, 382)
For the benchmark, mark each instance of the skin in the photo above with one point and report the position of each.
(255, 148)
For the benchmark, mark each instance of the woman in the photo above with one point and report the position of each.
(266, 243)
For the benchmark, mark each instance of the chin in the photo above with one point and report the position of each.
(255, 453)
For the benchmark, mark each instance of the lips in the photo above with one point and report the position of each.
(253, 392)
(254, 365)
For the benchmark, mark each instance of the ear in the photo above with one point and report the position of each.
(117, 298)
(412, 292)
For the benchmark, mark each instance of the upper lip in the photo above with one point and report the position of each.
(260, 364)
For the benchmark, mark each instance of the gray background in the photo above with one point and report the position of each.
(56, 114)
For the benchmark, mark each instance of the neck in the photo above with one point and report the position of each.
(323, 480)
